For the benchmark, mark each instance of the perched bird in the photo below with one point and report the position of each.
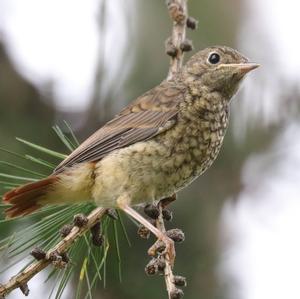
(154, 147)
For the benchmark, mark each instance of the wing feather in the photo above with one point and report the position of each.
(149, 115)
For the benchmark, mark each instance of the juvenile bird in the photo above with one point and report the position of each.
(154, 147)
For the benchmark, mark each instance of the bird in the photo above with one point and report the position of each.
(156, 146)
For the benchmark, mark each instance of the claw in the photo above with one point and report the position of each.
(166, 246)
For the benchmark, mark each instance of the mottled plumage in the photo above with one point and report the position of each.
(155, 146)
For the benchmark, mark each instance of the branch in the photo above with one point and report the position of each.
(174, 45)
(175, 49)
(21, 279)
(168, 273)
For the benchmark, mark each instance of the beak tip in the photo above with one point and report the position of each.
(255, 65)
(249, 66)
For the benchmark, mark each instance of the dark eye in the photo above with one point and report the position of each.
(214, 58)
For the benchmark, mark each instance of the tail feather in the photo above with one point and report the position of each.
(22, 210)
(26, 199)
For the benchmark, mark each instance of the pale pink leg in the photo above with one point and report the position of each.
(170, 249)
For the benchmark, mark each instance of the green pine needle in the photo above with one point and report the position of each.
(40, 162)
(88, 262)
(65, 140)
(15, 177)
(75, 140)
(43, 149)
(22, 169)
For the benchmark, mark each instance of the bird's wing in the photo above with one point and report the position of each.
(149, 115)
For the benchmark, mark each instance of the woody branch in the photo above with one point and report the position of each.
(55, 256)
(175, 45)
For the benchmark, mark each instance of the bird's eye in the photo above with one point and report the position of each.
(214, 58)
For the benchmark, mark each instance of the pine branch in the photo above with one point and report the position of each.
(168, 271)
(174, 44)
(178, 13)
(21, 279)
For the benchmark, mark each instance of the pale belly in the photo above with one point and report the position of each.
(153, 169)
(148, 171)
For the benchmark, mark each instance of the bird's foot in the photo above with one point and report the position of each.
(165, 246)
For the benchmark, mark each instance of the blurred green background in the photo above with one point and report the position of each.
(28, 111)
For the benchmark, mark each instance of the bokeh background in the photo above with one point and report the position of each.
(82, 61)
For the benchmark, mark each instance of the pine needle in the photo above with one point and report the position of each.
(42, 149)
(120, 217)
(18, 178)
(75, 140)
(64, 139)
(40, 162)
(40, 175)
(117, 249)
(45, 224)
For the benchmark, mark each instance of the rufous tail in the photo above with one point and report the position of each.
(27, 198)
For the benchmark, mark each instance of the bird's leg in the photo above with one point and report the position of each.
(123, 204)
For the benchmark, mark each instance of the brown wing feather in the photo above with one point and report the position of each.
(144, 118)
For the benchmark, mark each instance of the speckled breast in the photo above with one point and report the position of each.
(194, 144)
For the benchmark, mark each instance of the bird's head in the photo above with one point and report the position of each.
(219, 69)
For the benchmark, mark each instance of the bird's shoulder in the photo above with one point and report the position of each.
(163, 97)
(150, 114)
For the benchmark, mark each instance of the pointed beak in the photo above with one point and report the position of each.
(247, 67)
(242, 68)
